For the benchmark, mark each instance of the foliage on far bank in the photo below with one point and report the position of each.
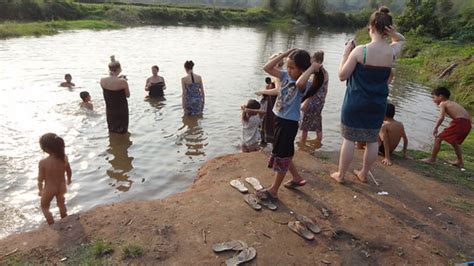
(12, 29)
(441, 19)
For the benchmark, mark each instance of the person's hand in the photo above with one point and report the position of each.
(69, 182)
(259, 93)
(40, 192)
(243, 106)
(435, 132)
(390, 30)
(386, 162)
(316, 66)
(350, 45)
(289, 51)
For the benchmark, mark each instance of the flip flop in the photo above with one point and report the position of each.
(252, 201)
(254, 182)
(239, 186)
(292, 184)
(229, 245)
(267, 203)
(309, 223)
(245, 255)
(299, 228)
(264, 194)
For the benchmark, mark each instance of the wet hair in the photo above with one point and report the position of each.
(390, 112)
(114, 65)
(443, 91)
(381, 19)
(156, 67)
(84, 95)
(189, 65)
(67, 76)
(251, 104)
(318, 56)
(268, 80)
(301, 58)
(53, 145)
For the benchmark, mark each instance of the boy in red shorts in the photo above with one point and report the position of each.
(457, 130)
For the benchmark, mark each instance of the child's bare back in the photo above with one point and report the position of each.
(455, 110)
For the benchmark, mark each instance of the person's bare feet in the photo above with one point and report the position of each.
(428, 160)
(457, 163)
(361, 178)
(336, 176)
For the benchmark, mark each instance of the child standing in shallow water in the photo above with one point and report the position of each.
(51, 173)
(294, 85)
(251, 121)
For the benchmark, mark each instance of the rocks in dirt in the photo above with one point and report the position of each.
(415, 236)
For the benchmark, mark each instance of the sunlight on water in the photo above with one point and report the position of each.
(161, 155)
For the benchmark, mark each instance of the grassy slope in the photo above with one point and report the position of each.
(12, 29)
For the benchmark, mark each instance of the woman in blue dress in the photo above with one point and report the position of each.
(367, 70)
(193, 91)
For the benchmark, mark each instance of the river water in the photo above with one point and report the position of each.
(165, 149)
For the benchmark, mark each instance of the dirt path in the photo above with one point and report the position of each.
(420, 221)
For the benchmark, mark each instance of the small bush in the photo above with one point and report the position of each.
(132, 251)
(101, 248)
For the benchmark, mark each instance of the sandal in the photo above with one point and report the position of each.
(300, 229)
(254, 182)
(252, 201)
(292, 184)
(268, 204)
(229, 245)
(245, 255)
(309, 223)
(238, 185)
(264, 194)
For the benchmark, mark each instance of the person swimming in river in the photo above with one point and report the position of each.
(51, 177)
(193, 97)
(68, 82)
(155, 85)
(86, 100)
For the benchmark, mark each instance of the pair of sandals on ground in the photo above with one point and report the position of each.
(303, 226)
(262, 196)
(244, 252)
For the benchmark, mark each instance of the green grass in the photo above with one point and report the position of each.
(100, 248)
(132, 251)
(95, 253)
(14, 29)
(442, 170)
